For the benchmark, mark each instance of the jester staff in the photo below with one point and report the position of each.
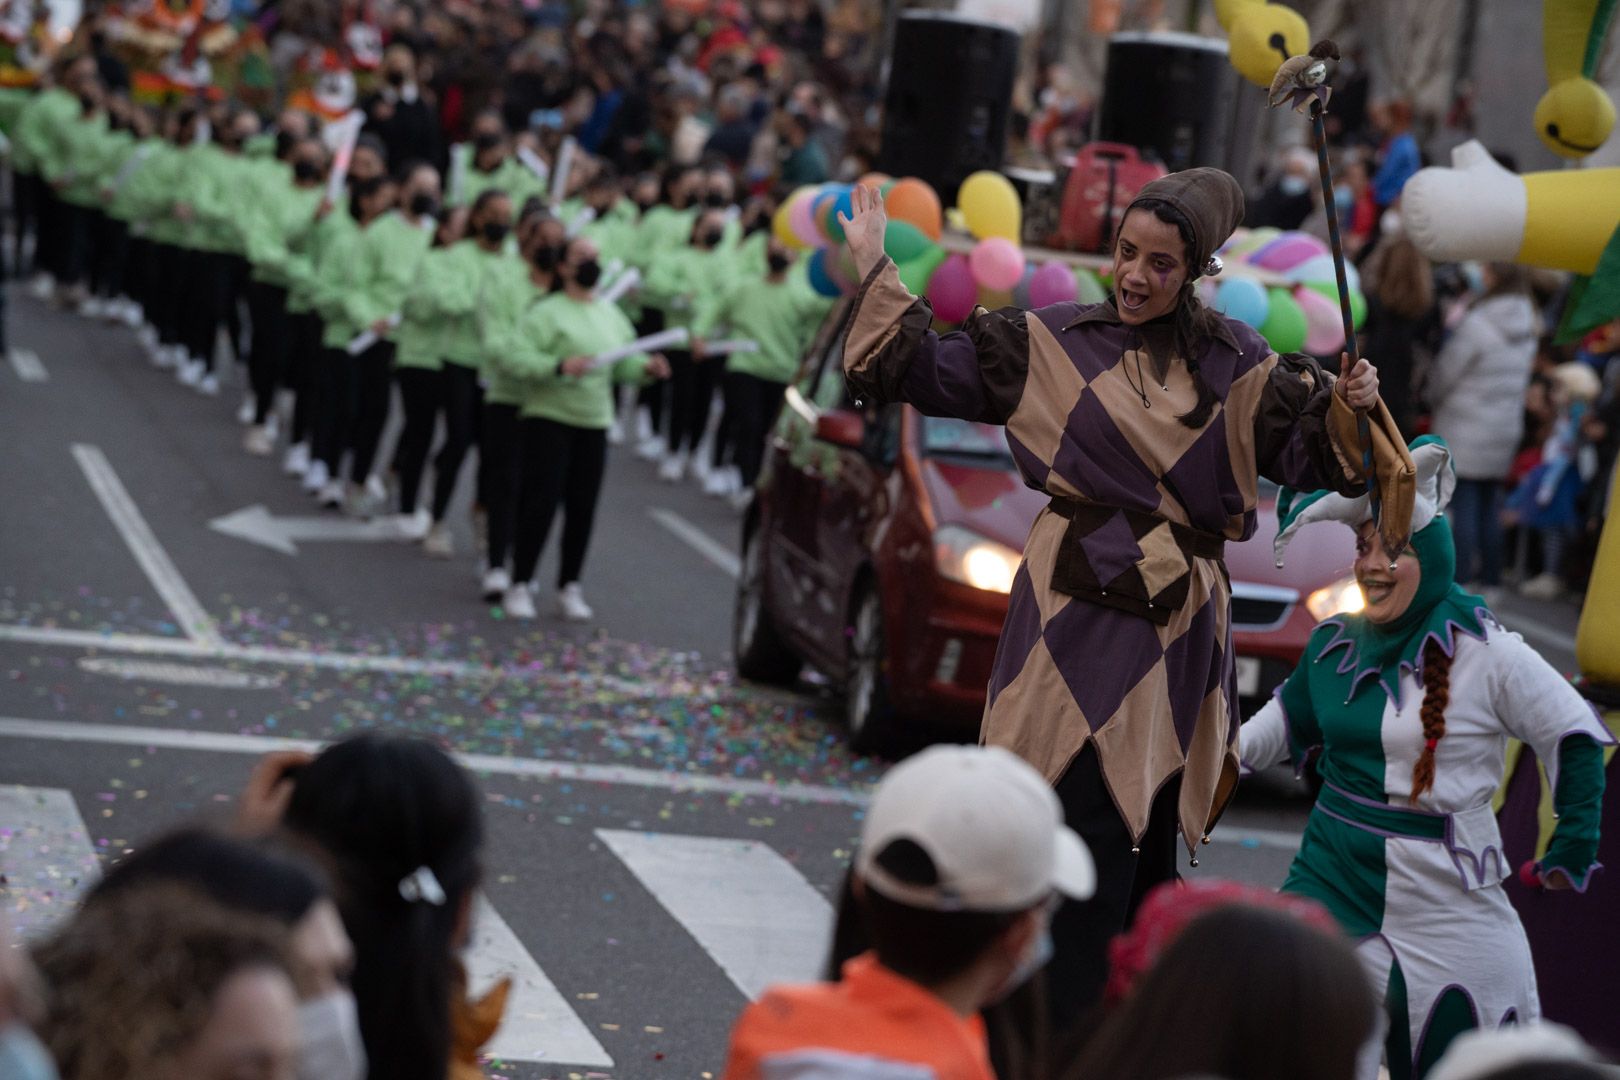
(1301, 81)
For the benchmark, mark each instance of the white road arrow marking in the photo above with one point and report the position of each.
(46, 859)
(757, 916)
(27, 364)
(257, 525)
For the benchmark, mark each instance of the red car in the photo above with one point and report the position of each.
(882, 545)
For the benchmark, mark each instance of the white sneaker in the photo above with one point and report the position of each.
(1547, 586)
(673, 469)
(258, 441)
(571, 601)
(296, 463)
(173, 356)
(147, 336)
(439, 543)
(131, 314)
(208, 385)
(644, 430)
(42, 286)
(615, 435)
(376, 489)
(245, 411)
(359, 502)
(651, 448)
(519, 602)
(414, 526)
(741, 499)
(191, 372)
(92, 307)
(700, 468)
(496, 584)
(331, 494)
(316, 476)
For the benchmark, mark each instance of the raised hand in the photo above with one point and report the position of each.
(1358, 385)
(863, 231)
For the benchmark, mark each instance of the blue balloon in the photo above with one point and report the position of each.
(1243, 299)
(820, 279)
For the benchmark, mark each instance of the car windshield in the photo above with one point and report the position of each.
(984, 445)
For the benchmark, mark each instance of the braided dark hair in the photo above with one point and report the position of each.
(1192, 323)
(1436, 696)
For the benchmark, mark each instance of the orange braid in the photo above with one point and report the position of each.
(1436, 696)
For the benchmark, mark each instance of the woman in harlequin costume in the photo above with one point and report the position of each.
(1410, 706)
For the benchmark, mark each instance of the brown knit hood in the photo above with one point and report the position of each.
(1211, 201)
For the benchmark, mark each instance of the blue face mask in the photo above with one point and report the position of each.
(1343, 198)
(22, 1057)
(1293, 186)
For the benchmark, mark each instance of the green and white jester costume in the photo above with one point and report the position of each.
(1418, 884)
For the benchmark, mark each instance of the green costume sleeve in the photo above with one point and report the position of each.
(1578, 801)
(1304, 731)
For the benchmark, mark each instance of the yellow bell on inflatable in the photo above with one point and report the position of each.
(1575, 115)
(1261, 36)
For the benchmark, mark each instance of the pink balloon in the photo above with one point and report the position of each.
(802, 221)
(997, 263)
(1289, 250)
(1324, 326)
(952, 289)
(1053, 283)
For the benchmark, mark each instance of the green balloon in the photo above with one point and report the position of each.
(1358, 303)
(914, 273)
(1088, 289)
(1284, 328)
(903, 241)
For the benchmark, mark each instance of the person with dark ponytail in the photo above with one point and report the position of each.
(1407, 708)
(1149, 421)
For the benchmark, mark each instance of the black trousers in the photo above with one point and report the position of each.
(272, 344)
(304, 358)
(372, 372)
(238, 278)
(109, 269)
(1081, 931)
(204, 303)
(336, 390)
(751, 407)
(654, 397)
(421, 392)
(78, 223)
(51, 246)
(691, 387)
(139, 268)
(24, 215)
(463, 401)
(500, 456)
(563, 467)
(170, 274)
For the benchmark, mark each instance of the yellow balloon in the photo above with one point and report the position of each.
(1574, 117)
(1253, 29)
(1226, 11)
(781, 221)
(989, 204)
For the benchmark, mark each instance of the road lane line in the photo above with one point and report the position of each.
(27, 365)
(1537, 630)
(46, 857)
(538, 1025)
(750, 910)
(699, 541)
(188, 611)
(223, 742)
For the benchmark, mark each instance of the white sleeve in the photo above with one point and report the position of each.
(1263, 741)
(1536, 704)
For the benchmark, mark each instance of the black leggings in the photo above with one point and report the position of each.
(1081, 930)
(654, 397)
(421, 393)
(109, 270)
(373, 397)
(751, 407)
(203, 305)
(167, 292)
(463, 401)
(500, 456)
(304, 359)
(272, 344)
(25, 214)
(562, 467)
(691, 396)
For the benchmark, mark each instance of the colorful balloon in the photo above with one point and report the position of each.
(1088, 289)
(989, 204)
(821, 277)
(1053, 283)
(904, 241)
(952, 290)
(1320, 268)
(1243, 299)
(914, 275)
(801, 218)
(843, 203)
(1358, 302)
(914, 201)
(1289, 250)
(1285, 326)
(782, 221)
(1324, 325)
(1020, 291)
(997, 263)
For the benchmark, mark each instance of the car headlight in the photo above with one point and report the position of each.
(1343, 597)
(964, 556)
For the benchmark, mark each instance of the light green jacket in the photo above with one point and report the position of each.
(553, 330)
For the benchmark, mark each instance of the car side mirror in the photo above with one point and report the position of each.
(842, 427)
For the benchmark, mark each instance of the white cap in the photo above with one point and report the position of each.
(991, 825)
(1485, 1051)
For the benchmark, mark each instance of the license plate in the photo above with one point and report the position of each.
(1248, 676)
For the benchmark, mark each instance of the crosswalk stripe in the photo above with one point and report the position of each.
(749, 909)
(538, 1025)
(46, 858)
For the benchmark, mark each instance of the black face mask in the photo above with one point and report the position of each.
(306, 171)
(396, 79)
(778, 262)
(715, 200)
(423, 204)
(284, 144)
(587, 274)
(546, 257)
(646, 204)
(486, 140)
(710, 239)
(359, 192)
(87, 103)
(495, 232)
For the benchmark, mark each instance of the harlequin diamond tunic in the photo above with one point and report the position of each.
(1118, 626)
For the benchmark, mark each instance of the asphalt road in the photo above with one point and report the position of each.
(662, 840)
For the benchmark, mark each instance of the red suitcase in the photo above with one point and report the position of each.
(1102, 183)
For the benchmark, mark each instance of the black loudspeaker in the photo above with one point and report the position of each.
(1177, 97)
(950, 92)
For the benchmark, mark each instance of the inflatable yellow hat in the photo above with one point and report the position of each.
(1261, 36)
